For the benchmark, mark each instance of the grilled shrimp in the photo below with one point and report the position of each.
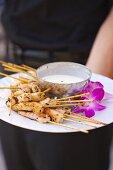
(36, 97)
(34, 86)
(29, 106)
(43, 119)
(55, 115)
(28, 114)
(26, 106)
(31, 115)
(45, 102)
(20, 91)
(30, 87)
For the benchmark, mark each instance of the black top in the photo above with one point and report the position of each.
(46, 24)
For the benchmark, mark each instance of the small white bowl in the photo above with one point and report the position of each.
(63, 69)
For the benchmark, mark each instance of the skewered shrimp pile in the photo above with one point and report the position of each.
(29, 99)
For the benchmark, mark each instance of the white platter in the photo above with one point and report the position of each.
(17, 120)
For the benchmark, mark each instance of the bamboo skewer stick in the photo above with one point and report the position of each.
(77, 116)
(23, 66)
(19, 70)
(7, 69)
(24, 78)
(71, 97)
(10, 67)
(16, 66)
(29, 68)
(10, 87)
(45, 91)
(69, 127)
(61, 105)
(6, 75)
(86, 118)
(82, 123)
(13, 69)
(75, 101)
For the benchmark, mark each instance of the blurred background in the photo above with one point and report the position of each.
(6, 53)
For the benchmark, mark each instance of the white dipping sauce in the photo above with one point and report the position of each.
(62, 79)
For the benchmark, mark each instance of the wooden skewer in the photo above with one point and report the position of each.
(61, 105)
(29, 68)
(6, 75)
(78, 116)
(16, 66)
(25, 67)
(45, 91)
(86, 118)
(7, 69)
(11, 68)
(18, 70)
(24, 78)
(82, 123)
(75, 101)
(71, 97)
(69, 127)
(10, 87)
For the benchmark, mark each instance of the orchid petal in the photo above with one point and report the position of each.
(91, 86)
(89, 112)
(95, 105)
(98, 94)
(99, 107)
(98, 85)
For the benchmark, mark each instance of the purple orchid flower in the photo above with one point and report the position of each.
(91, 86)
(96, 94)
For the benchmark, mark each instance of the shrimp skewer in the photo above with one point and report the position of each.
(39, 118)
(28, 97)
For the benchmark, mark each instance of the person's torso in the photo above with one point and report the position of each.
(58, 23)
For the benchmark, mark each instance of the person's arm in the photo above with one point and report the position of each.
(101, 56)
